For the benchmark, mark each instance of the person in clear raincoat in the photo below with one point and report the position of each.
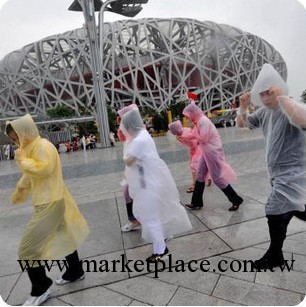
(57, 228)
(285, 156)
(156, 199)
(212, 160)
(186, 137)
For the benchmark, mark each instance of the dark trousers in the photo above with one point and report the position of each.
(39, 280)
(74, 270)
(278, 225)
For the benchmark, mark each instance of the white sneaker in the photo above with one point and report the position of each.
(129, 227)
(60, 281)
(37, 300)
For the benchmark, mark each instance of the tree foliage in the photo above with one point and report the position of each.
(60, 111)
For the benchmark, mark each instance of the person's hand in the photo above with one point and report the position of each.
(244, 100)
(19, 196)
(276, 91)
(19, 154)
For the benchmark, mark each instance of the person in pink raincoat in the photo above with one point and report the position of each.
(212, 160)
(186, 137)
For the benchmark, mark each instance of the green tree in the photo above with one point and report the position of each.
(60, 111)
(112, 117)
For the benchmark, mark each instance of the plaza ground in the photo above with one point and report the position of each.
(93, 177)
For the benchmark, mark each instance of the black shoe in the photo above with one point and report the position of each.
(157, 257)
(235, 206)
(194, 207)
(267, 263)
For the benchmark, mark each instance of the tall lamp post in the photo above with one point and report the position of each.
(129, 8)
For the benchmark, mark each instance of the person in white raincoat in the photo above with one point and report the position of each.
(156, 199)
(57, 228)
(285, 156)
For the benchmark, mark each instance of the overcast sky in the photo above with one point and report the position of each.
(281, 22)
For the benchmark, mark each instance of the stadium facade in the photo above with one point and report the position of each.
(151, 61)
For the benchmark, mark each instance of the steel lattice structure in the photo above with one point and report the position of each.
(150, 61)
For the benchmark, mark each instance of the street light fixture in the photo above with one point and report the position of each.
(129, 8)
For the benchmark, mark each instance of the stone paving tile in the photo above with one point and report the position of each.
(138, 303)
(288, 280)
(187, 297)
(98, 296)
(22, 289)
(247, 293)
(55, 302)
(203, 282)
(185, 248)
(215, 213)
(105, 233)
(7, 283)
(147, 290)
(300, 263)
(252, 232)
(222, 265)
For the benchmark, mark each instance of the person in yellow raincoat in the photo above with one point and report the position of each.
(57, 228)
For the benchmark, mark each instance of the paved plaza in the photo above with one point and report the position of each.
(218, 236)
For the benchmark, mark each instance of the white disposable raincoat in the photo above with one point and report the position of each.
(156, 198)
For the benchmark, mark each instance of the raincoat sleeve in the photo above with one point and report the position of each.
(23, 189)
(42, 162)
(253, 120)
(296, 112)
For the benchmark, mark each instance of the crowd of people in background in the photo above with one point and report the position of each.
(77, 143)
(7, 151)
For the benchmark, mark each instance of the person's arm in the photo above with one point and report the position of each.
(244, 103)
(41, 164)
(129, 161)
(22, 190)
(296, 112)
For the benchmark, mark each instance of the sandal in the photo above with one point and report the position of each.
(190, 190)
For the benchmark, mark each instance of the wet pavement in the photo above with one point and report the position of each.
(221, 240)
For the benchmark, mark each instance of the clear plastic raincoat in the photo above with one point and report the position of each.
(284, 141)
(156, 198)
(210, 143)
(57, 228)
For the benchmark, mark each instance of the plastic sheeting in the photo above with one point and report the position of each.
(156, 199)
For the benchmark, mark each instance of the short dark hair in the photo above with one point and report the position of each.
(9, 129)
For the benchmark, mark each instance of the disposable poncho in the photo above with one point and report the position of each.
(210, 143)
(121, 112)
(186, 137)
(57, 227)
(156, 198)
(285, 146)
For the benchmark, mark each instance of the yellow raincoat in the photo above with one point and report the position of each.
(57, 227)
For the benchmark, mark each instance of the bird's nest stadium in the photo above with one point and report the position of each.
(153, 62)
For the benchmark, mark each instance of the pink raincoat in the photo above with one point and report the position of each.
(211, 147)
(186, 137)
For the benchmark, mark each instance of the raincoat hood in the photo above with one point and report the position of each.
(126, 109)
(267, 78)
(176, 128)
(193, 112)
(131, 123)
(26, 130)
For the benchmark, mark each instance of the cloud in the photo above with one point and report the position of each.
(280, 22)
